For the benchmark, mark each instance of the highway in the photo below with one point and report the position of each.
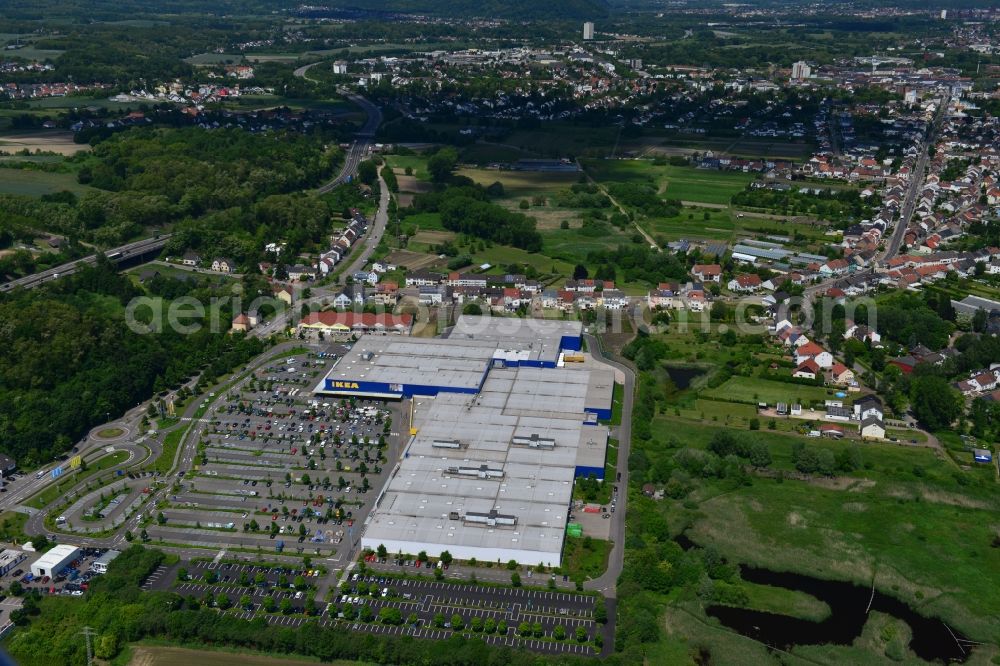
(117, 254)
(361, 147)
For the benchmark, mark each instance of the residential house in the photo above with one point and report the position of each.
(614, 299)
(707, 272)
(840, 374)
(666, 295)
(223, 265)
(745, 283)
(241, 324)
(872, 427)
(811, 350)
(353, 294)
(386, 294)
(191, 258)
(868, 406)
(423, 279)
(808, 369)
(283, 293)
(300, 273)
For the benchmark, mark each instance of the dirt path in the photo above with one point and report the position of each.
(621, 209)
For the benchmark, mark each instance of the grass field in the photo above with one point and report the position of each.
(673, 182)
(584, 557)
(215, 59)
(903, 519)
(37, 183)
(55, 491)
(167, 655)
(753, 389)
(12, 525)
(785, 602)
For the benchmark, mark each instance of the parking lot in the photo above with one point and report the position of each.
(427, 607)
(280, 469)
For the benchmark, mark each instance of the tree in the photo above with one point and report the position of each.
(446, 558)
(269, 604)
(390, 615)
(512, 565)
(299, 582)
(285, 606)
(367, 172)
(502, 627)
(438, 620)
(222, 601)
(524, 629)
(476, 624)
(412, 619)
(246, 601)
(442, 164)
(581, 635)
(538, 630)
(515, 579)
(457, 622)
(382, 551)
(580, 272)
(760, 455)
(935, 403)
(559, 633)
(490, 626)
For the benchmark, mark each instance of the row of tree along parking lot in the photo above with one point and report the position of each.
(373, 603)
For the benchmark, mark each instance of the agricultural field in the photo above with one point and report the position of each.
(48, 141)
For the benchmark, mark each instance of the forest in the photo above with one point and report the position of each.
(224, 190)
(68, 360)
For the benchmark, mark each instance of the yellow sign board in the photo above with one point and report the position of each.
(75, 462)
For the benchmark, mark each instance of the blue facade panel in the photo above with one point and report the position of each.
(571, 343)
(602, 414)
(399, 390)
(583, 472)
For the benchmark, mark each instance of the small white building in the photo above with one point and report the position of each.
(54, 561)
(100, 565)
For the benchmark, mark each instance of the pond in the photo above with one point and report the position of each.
(683, 375)
(849, 604)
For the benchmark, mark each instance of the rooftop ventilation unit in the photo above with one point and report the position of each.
(367, 356)
(534, 441)
(482, 472)
(491, 519)
(446, 444)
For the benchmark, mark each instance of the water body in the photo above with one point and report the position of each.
(932, 639)
(683, 375)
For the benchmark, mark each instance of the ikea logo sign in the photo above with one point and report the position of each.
(344, 385)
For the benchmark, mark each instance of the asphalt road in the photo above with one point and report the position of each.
(606, 583)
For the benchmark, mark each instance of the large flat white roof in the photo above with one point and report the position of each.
(429, 498)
